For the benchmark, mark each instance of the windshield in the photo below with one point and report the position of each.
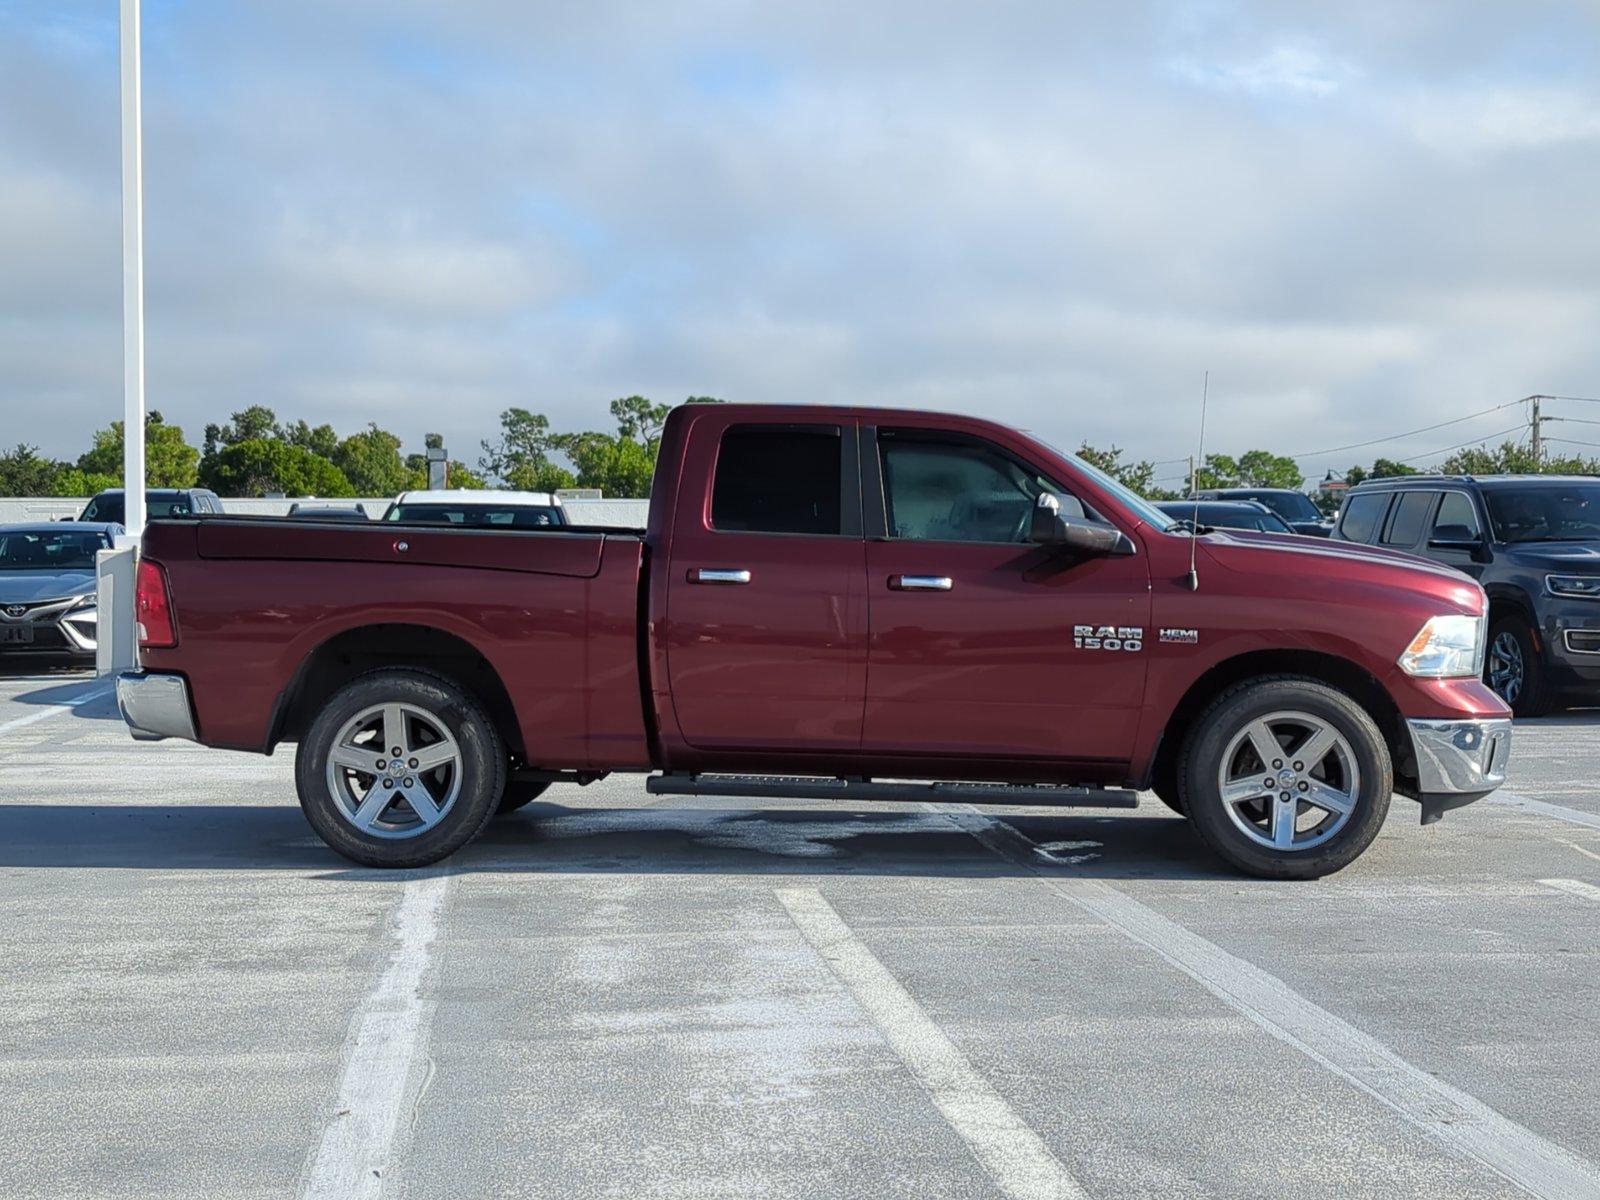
(49, 550)
(1291, 506)
(1141, 507)
(510, 516)
(1569, 513)
(156, 504)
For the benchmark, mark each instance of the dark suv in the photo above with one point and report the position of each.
(1295, 507)
(1533, 541)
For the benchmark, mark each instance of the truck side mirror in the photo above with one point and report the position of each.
(1051, 528)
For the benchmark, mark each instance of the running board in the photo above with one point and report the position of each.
(816, 787)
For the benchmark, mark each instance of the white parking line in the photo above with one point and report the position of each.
(388, 1037)
(54, 710)
(1464, 1123)
(1013, 1154)
(1545, 809)
(1574, 887)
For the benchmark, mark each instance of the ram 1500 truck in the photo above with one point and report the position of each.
(829, 602)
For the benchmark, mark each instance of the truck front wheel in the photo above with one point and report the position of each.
(1286, 778)
(401, 768)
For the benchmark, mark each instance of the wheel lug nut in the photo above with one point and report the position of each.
(388, 783)
(1299, 766)
(413, 764)
(1284, 797)
(1305, 787)
(408, 781)
(382, 766)
(1277, 764)
(396, 752)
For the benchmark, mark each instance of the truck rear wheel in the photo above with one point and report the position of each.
(1286, 778)
(401, 768)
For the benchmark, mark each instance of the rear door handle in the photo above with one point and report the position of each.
(718, 575)
(920, 583)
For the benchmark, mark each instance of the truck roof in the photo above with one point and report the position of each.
(480, 496)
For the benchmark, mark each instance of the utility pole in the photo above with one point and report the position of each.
(132, 277)
(1537, 427)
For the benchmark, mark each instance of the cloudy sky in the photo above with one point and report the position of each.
(1361, 217)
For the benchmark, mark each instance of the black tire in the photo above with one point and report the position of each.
(1528, 693)
(1229, 716)
(479, 769)
(519, 794)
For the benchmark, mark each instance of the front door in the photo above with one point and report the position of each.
(981, 643)
(766, 609)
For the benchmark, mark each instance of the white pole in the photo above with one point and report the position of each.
(132, 277)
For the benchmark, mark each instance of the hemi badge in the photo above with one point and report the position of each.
(1185, 637)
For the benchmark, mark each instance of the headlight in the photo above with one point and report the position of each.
(1585, 586)
(81, 602)
(1446, 647)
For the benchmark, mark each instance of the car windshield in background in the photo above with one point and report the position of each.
(110, 508)
(509, 516)
(1546, 513)
(1291, 506)
(71, 550)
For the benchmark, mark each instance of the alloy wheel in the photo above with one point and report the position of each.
(394, 770)
(1506, 667)
(1289, 781)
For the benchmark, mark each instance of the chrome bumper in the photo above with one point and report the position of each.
(1458, 761)
(155, 706)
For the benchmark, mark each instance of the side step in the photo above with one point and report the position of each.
(818, 787)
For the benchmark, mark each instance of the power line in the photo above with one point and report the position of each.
(1463, 445)
(1572, 441)
(1411, 433)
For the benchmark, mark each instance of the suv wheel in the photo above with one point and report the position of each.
(1513, 669)
(400, 769)
(1286, 778)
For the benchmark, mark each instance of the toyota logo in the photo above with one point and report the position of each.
(16, 610)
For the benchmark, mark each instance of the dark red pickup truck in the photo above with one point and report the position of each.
(829, 602)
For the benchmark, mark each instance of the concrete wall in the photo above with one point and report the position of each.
(633, 513)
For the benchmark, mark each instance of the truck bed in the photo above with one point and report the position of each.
(552, 614)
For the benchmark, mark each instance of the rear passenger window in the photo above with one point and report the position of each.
(1409, 515)
(778, 479)
(1359, 522)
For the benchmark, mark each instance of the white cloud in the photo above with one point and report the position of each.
(1286, 70)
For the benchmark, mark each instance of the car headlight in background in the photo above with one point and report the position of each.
(1447, 647)
(82, 602)
(1585, 587)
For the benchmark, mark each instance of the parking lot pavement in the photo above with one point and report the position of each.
(613, 996)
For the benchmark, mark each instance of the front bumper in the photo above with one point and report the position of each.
(156, 706)
(1458, 761)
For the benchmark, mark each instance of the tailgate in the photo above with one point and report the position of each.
(537, 552)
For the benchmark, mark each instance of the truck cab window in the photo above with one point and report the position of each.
(1457, 518)
(959, 492)
(1362, 515)
(778, 479)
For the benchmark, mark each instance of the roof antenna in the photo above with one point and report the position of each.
(1193, 579)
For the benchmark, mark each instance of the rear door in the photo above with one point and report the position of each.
(1408, 521)
(766, 612)
(983, 644)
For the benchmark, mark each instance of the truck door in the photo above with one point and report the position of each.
(983, 644)
(766, 633)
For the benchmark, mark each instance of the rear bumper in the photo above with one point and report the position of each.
(1458, 761)
(156, 706)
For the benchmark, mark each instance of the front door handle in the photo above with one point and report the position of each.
(718, 575)
(920, 583)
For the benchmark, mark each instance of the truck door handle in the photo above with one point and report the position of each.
(718, 575)
(920, 583)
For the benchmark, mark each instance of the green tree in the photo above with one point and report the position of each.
(255, 466)
(169, 461)
(1509, 458)
(1253, 468)
(74, 481)
(371, 462)
(321, 441)
(26, 472)
(640, 421)
(255, 423)
(1140, 476)
(523, 451)
(619, 466)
